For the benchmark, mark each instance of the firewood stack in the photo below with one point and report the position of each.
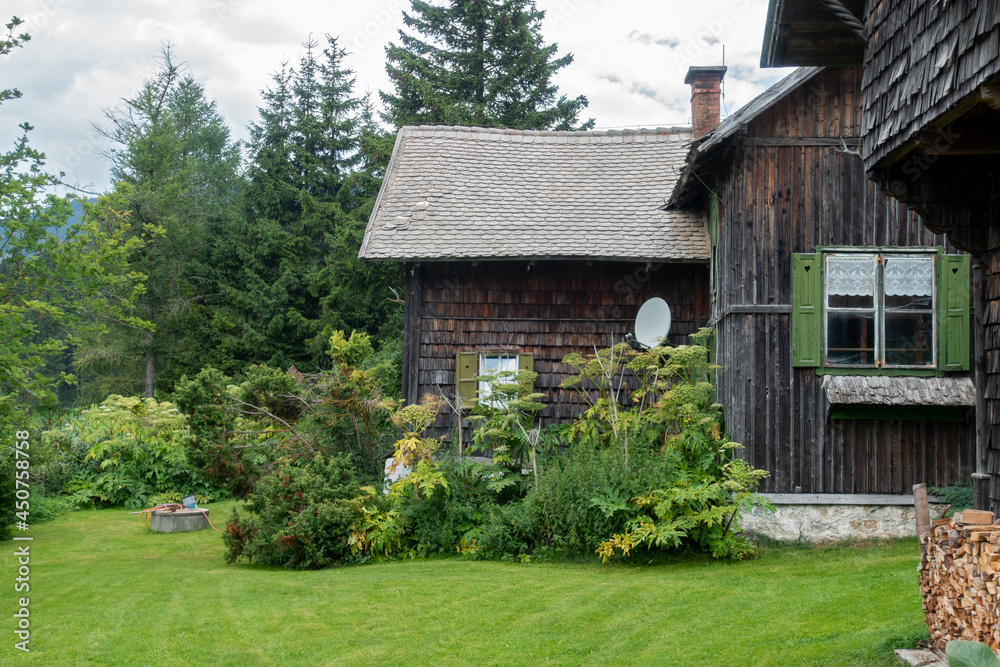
(960, 579)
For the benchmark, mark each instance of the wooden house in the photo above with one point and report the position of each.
(521, 247)
(843, 324)
(930, 137)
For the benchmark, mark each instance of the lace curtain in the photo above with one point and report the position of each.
(850, 275)
(909, 276)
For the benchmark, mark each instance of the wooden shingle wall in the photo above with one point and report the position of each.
(991, 324)
(546, 308)
(785, 189)
(923, 57)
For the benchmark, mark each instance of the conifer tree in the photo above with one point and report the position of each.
(481, 63)
(293, 271)
(174, 168)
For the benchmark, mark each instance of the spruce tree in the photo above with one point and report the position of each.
(292, 271)
(481, 63)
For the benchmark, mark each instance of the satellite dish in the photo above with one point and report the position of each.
(652, 324)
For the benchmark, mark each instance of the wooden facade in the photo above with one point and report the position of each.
(546, 308)
(931, 139)
(785, 185)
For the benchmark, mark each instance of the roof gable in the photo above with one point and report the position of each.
(476, 193)
(710, 145)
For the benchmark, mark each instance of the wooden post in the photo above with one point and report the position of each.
(923, 513)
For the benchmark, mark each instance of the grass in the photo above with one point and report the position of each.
(105, 591)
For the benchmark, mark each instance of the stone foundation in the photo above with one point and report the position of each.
(807, 518)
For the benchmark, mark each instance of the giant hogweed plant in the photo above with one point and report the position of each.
(662, 398)
(504, 425)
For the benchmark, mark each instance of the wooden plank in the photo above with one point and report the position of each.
(844, 499)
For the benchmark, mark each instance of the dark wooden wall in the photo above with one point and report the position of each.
(990, 291)
(546, 308)
(923, 58)
(785, 189)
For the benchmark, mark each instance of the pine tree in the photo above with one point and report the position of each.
(293, 271)
(175, 168)
(481, 63)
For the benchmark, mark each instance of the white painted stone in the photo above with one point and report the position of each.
(833, 523)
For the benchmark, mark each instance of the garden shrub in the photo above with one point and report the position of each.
(960, 496)
(647, 467)
(299, 516)
(123, 452)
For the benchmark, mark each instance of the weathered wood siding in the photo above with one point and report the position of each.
(923, 58)
(548, 309)
(784, 189)
(991, 368)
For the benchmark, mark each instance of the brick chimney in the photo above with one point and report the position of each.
(706, 91)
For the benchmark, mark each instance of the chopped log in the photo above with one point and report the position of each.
(975, 517)
(959, 578)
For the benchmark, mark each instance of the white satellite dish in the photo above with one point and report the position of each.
(652, 324)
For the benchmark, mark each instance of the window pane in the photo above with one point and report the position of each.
(851, 301)
(850, 339)
(904, 302)
(909, 339)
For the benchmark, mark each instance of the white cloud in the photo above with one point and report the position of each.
(630, 58)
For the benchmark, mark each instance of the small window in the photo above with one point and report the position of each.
(471, 365)
(879, 310)
(494, 364)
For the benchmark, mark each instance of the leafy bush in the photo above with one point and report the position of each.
(241, 427)
(970, 654)
(647, 467)
(959, 496)
(122, 452)
(299, 516)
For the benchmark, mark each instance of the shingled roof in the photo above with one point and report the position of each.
(475, 193)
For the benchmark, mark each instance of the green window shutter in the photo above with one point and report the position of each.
(466, 370)
(807, 309)
(526, 362)
(953, 312)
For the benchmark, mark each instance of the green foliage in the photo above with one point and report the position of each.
(132, 450)
(646, 465)
(211, 446)
(292, 276)
(706, 486)
(299, 516)
(503, 424)
(478, 63)
(55, 277)
(580, 500)
(240, 427)
(970, 654)
(959, 496)
(175, 172)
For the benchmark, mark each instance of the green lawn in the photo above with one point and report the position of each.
(106, 591)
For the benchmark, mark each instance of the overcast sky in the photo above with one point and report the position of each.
(85, 56)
